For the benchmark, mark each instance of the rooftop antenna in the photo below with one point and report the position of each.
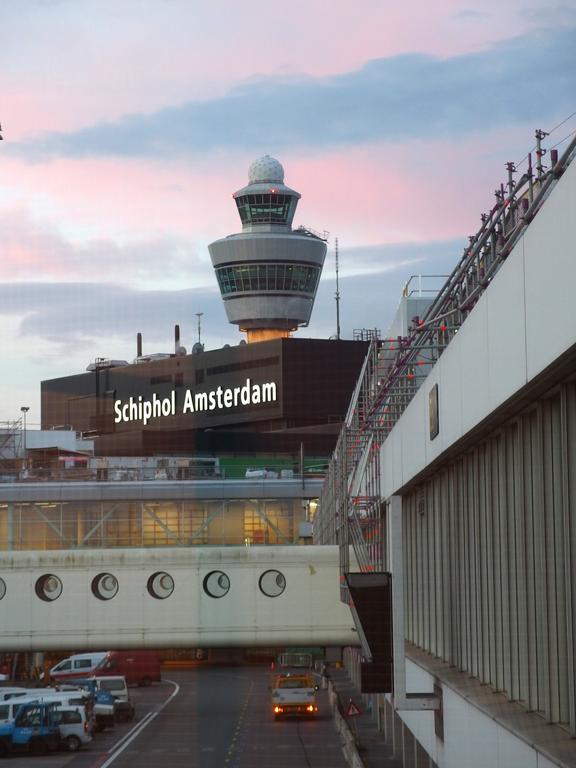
(337, 294)
(199, 316)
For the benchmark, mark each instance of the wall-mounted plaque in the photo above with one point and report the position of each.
(433, 411)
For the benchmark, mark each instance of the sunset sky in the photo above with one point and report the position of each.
(128, 125)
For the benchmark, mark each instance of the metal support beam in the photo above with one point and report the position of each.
(98, 525)
(266, 519)
(10, 527)
(400, 699)
(198, 533)
(40, 512)
(166, 528)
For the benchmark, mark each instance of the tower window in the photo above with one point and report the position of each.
(264, 209)
(291, 278)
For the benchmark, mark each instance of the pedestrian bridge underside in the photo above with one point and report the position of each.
(172, 597)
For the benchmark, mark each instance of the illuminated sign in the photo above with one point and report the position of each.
(219, 399)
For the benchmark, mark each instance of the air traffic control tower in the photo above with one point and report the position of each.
(268, 273)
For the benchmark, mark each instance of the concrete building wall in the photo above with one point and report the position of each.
(489, 512)
(473, 737)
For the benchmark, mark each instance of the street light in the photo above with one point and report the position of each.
(24, 410)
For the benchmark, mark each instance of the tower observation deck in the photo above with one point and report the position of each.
(268, 274)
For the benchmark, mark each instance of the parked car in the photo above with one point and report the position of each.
(74, 726)
(261, 472)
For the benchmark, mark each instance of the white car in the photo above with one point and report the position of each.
(261, 472)
(75, 728)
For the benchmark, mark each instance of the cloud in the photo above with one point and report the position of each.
(72, 314)
(35, 249)
(402, 97)
(370, 300)
(375, 260)
(72, 317)
(552, 14)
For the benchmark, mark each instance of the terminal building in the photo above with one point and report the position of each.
(249, 429)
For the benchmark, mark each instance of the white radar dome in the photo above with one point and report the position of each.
(266, 169)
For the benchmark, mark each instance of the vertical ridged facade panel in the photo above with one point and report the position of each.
(490, 546)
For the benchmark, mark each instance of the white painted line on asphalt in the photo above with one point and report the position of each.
(139, 725)
(121, 745)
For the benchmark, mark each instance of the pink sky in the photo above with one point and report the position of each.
(144, 221)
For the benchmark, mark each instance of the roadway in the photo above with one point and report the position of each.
(210, 717)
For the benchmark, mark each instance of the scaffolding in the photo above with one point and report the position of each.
(11, 447)
(350, 511)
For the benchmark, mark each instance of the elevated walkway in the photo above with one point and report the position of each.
(172, 597)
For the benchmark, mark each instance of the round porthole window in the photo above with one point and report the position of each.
(48, 587)
(105, 586)
(216, 584)
(272, 583)
(160, 585)
(2, 588)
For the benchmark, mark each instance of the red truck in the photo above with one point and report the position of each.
(138, 667)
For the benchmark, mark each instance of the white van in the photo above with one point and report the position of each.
(80, 665)
(10, 693)
(68, 698)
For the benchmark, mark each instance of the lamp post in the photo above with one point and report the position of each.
(24, 410)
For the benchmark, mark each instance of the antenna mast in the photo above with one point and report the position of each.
(337, 294)
(199, 316)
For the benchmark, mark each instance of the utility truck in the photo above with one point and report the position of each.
(294, 694)
(34, 730)
(105, 709)
(112, 702)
